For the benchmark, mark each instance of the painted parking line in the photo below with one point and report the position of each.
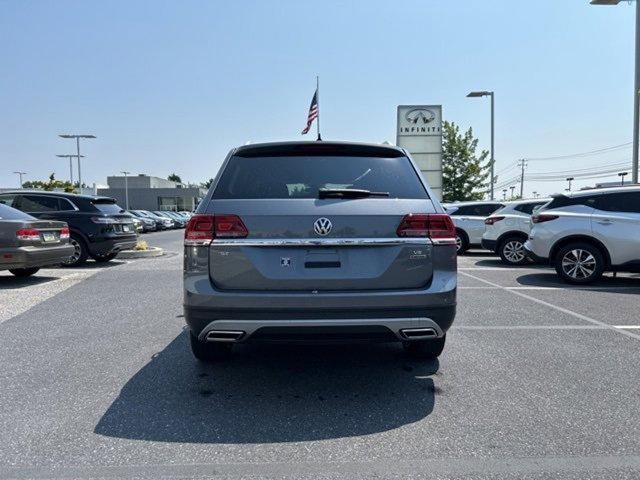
(542, 327)
(593, 288)
(556, 307)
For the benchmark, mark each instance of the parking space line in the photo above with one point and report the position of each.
(527, 327)
(556, 307)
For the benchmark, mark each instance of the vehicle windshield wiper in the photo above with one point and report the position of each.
(349, 193)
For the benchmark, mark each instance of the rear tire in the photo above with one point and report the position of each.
(511, 251)
(425, 349)
(80, 252)
(579, 263)
(104, 258)
(462, 242)
(24, 272)
(208, 351)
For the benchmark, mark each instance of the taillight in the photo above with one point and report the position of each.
(28, 234)
(492, 220)
(437, 226)
(104, 220)
(543, 217)
(202, 229)
(64, 233)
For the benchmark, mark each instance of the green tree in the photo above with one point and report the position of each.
(51, 184)
(464, 174)
(207, 184)
(174, 177)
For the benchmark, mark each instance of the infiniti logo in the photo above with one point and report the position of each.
(322, 226)
(420, 115)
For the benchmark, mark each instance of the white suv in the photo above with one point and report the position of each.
(585, 233)
(468, 218)
(507, 229)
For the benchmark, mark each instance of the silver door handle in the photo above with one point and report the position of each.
(604, 222)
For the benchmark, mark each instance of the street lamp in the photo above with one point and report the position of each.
(20, 174)
(535, 194)
(126, 189)
(78, 137)
(636, 89)
(492, 95)
(504, 193)
(569, 179)
(622, 175)
(512, 187)
(70, 165)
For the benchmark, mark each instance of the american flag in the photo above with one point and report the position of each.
(313, 113)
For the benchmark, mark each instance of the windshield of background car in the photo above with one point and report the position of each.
(304, 176)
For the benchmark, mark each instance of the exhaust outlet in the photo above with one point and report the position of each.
(418, 333)
(224, 336)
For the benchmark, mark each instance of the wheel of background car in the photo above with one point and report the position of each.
(462, 242)
(512, 252)
(579, 263)
(208, 351)
(80, 252)
(104, 258)
(425, 349)
(24, 272)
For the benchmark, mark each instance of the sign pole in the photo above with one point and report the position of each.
(318, 102)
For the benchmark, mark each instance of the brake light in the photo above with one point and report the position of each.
(543, 217)
(64, 233)
(492, 220)
(437, 226)
(28, 234)
(104, 220)
(202, 229)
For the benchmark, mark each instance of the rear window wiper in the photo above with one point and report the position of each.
(349, 193)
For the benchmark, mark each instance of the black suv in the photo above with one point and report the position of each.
(99, 227)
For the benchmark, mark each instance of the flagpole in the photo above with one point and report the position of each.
(318, 102)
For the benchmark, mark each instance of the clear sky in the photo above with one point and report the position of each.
(173, 85)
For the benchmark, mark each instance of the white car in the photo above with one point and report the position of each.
(507, 229)
(588, 232)
(468, 218)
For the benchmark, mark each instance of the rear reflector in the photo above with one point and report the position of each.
(492, 220)
(542, 217)
(28, 234)
(202, 229)
(437, 226)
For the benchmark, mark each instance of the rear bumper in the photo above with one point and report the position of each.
(31, 257)
(112, 245)
(489, 244)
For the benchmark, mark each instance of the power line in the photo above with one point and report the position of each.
(582, 154)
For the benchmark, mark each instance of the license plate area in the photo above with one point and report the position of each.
(49, 237)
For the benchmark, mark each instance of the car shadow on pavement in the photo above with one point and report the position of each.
(497, 263)
(269, 393)
(619, 284)
(8, 282)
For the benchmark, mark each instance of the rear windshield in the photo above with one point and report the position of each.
(8, 213)
(304, 176)
(107, 206)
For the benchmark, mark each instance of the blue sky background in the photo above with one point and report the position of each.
(172, 86)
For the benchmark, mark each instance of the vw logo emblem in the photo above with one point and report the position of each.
(322, 226)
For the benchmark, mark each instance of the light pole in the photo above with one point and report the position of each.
(512, 187)
(70, 165)
(504, 193)
(126, 189)
(535, 194)
(622, 175)
(569, 179)
(636, 88)
(78, 137)
(20, 174)
(492, 161)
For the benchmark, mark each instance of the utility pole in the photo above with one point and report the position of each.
(20, 174)
(522, 164)
(126, 189)
(569, 179)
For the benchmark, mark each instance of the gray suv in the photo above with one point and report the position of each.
(319, 242)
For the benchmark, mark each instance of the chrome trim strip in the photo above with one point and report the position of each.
(310, 242)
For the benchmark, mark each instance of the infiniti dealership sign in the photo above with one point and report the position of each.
(420, 133)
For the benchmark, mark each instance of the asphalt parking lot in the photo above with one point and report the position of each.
(538, 380)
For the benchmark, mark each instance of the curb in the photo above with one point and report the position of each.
(151, 252)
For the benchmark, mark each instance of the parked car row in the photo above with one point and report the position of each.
(581, 234)
(160, 219)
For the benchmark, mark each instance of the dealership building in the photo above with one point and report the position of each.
(153, 193)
